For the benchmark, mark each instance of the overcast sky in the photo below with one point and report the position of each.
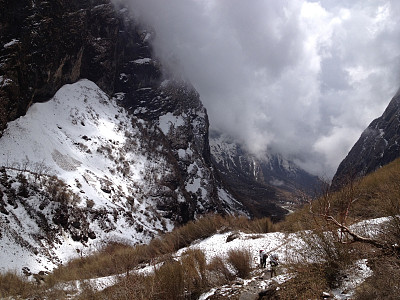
(303, 78)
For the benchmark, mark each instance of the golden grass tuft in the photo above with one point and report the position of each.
(241, 261)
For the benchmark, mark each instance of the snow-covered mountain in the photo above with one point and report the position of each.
(79, 171)
(268, 184)
(377, 146)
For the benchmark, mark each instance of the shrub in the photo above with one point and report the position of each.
(194, 266)
(184, 279)
(135, 286)
(263, 225)
(333, 256)
(308, 283)
(23, 190)
(58, 190)
(183, 236)
(318, 265)
(241, 261)
(220, 273)
(127, 258)
(384, 282)
(115, 258)
(169, 281)
(12, 285)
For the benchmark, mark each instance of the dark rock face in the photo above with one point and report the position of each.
(46, 44)
(378, 145)
(152, 94)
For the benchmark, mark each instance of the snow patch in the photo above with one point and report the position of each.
(11, 43)
(357, 274)
(277, 182)
(65, 162)
(5, 81)
(141, 61)
(168, 122)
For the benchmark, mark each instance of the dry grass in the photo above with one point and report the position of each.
(11, 284)
(219, 273)
(118, 258)
(183, 279)
(195, 272)
(205, 227)
(115, 258)
(241, 261)
(318, 266)
(309, 283)
(385, 281)
(132, 287)
(170, 281)
(376, 195)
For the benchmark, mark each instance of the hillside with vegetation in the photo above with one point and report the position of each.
(342, 244)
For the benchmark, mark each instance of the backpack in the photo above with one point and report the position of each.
(274, 260)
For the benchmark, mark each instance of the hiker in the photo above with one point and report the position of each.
(274, 262)
(263, 259)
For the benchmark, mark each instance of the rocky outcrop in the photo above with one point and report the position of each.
(46, 44)
(150, 92)
(378, 145)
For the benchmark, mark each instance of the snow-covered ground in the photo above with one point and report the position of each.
(67, 136)
(287, 247)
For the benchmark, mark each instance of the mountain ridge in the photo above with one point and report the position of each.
(271, 184)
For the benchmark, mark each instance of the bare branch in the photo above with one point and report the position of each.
(347, 196)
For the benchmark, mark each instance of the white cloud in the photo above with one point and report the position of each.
(302, 78)
(334, 146)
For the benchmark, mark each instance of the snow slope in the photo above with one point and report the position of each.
(95, 147)
(121, 179)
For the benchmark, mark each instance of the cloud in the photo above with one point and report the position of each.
(296, 77)
(334, 145)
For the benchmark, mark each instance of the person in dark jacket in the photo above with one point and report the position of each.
(263, 259)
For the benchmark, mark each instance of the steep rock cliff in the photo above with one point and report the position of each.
(378, 145)
(46, 44)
